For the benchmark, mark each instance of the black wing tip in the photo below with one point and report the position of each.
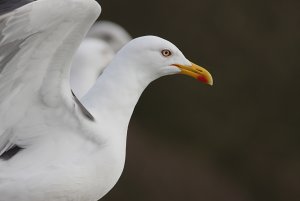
(8, 154)
(84, 111)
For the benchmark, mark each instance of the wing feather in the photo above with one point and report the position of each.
(37, 42)
(9, 5)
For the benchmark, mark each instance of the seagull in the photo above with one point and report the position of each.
(92, 56)
(94, 53)
(115, 35)
(54, 147)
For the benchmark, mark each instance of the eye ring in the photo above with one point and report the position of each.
(166, 53)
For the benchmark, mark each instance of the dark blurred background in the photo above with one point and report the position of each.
(238, 140)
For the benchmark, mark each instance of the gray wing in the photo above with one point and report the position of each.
(10, 5)
(37, 42)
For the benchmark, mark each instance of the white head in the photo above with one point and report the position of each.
(154, 57)
(138, 63)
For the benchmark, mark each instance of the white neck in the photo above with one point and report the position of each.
(113, 98)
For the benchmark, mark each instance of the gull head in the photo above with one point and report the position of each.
(156, 57)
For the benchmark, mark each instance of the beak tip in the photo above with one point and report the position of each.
(205, 80)
(197, 72)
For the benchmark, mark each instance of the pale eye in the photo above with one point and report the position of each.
(166, 53)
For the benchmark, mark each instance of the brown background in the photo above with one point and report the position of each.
(238, 140)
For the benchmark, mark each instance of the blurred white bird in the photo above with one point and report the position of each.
(112, 33)
(92, 56)
(52, 146)
(94, 53)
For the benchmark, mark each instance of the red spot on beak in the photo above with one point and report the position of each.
(202, 79)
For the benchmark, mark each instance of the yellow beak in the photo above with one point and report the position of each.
(196, 72)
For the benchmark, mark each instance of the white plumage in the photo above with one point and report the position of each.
(92, 56)
(110, 32)
(94, 53)
(68, 150)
